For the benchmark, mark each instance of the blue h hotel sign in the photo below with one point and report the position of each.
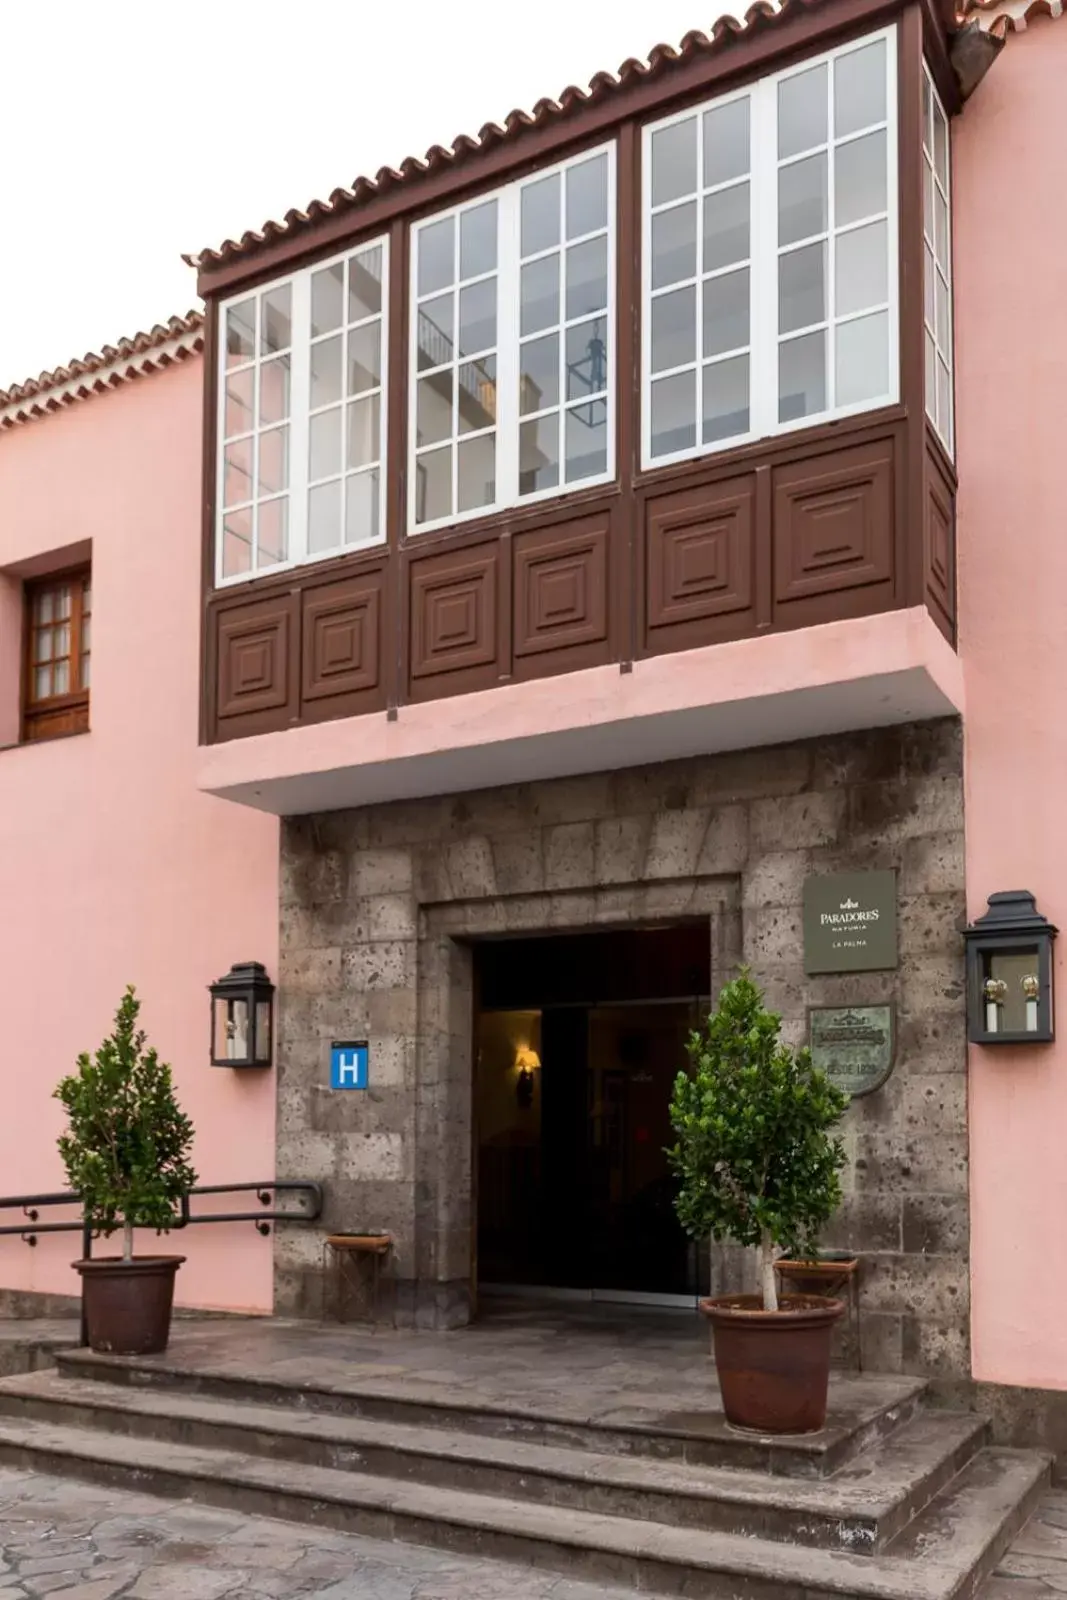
(349, 1065)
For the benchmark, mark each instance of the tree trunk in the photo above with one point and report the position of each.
(768, 1276)
(127, 1241)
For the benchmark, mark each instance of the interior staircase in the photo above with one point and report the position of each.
(894, 1500)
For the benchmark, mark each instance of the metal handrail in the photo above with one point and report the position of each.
(31, 1205)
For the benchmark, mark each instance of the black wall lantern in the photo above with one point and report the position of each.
(242, 1016)
(1009, 973)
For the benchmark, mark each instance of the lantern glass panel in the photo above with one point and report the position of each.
(262, 1030)
(219, 1013)
(1006, 974)
(231, 1030)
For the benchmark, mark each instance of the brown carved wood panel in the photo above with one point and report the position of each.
(560, 596)
(796, 532)
(254, 653)
(453, 620)
(939, 543)
(833, 531)
(341, 628)
(699, 548)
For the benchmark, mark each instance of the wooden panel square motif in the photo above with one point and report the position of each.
(453, 611)
(939, 547)
(833, 522)
(253, 656)
(698, 559)
(341, 634)
(561, 587)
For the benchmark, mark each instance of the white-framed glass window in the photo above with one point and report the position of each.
(512, 344)
(697, 323)
(302, 416)
(937, 266)
(771, 256)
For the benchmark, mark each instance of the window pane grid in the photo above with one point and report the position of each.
(257, 353)
(799, 321)
(456, 262)
(294, 354)
(552, 250)
(871, 214)
(937, 262)
(85, 652)
(58, 642)
(699, 336)
(574, 411)
(839, 357)
(522, 408)
(346, 394)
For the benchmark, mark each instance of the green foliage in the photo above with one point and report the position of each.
(754, 1152)
(127, 1142)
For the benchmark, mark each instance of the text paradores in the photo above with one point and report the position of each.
(850, 922)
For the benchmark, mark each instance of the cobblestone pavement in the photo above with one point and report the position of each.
(1035, 1568)
(74, 1541)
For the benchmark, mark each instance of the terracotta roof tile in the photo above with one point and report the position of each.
(160, 347)
(663, 59)
(1002, 17)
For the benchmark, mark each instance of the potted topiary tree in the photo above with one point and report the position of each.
(758, 1163)
(125, 1151)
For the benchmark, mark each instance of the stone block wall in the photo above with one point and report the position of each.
(379, 906)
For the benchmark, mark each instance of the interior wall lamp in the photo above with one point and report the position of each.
(527, 1061)
(1009, 973)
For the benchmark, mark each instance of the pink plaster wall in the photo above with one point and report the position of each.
(1010, 235)
(113, 868)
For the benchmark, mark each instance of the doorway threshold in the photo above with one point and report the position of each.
(603, 1297)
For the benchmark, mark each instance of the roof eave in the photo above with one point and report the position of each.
(99, 372)
(732, 49)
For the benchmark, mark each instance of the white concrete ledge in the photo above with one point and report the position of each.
(867, 673)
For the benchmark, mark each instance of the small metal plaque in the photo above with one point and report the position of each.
(850, 922)
(854, 1045)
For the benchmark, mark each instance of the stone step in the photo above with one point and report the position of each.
(946, 1552)
(863, 1410)
(861, 1508)
(30, 1344)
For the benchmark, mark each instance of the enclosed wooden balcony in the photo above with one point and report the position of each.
(628, 436)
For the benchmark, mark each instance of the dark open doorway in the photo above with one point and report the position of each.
(578, 1039)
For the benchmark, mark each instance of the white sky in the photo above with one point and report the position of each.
(136, 129)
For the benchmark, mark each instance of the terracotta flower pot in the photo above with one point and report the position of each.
(774, 1366)
(128, 1303)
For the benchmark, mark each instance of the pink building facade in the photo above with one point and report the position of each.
(115, 870)
(1010, 341)
(608, 689)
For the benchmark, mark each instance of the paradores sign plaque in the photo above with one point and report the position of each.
(850, 922)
